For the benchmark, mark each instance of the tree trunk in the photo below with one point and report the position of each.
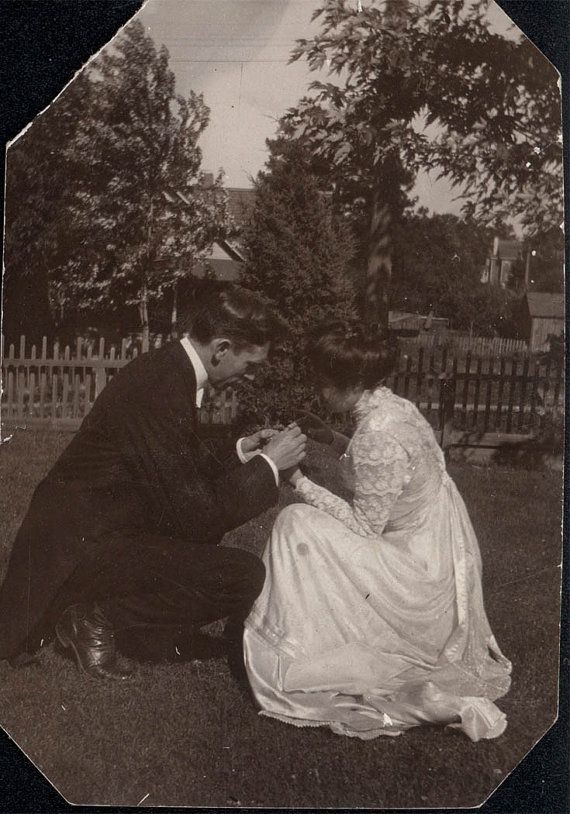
(386, 208)
(387, 188)
(143, 308)
(174, 313)
(143, 311)
(379, 263)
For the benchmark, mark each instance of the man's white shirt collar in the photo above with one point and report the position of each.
(199, 369)
(201, 381)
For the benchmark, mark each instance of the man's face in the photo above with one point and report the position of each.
(230, 365)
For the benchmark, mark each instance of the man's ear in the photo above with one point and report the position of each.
(220, 348)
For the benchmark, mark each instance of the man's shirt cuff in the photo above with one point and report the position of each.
(272, 465)
(247, 456)
(239, 452)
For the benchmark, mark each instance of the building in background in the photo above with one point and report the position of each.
(223, 262)
(541, 316)
(225, 257)
(499, 266)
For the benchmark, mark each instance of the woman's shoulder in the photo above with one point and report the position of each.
(382, 411)
(382, 407)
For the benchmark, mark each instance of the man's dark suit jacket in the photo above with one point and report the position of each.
(136, 463)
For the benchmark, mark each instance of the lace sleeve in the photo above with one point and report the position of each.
(382, 468)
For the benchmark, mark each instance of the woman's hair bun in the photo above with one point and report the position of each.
(350, 354)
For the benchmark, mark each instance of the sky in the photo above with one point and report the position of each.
(236, 52)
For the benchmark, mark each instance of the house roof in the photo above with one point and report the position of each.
(223, 259)
(241, 200)
(223, 269)
(240, 203)
(226, 250)
(541, 304)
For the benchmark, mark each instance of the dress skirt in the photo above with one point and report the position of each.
(372, 636)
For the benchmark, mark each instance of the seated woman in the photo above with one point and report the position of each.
(371, 620)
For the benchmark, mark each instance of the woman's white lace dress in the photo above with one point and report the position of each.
(371, 619)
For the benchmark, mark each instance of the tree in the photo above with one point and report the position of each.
(491, 106)
(541, 267)
(152, 219)
(297, 254)
(133, 215)
(39, 187)
(438, 262)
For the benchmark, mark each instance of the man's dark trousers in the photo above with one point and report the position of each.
(131, 516)
(158, 598)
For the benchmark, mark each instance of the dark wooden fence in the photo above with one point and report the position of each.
(57, 388)
(481, 393)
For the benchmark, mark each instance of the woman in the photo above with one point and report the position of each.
(371, 620)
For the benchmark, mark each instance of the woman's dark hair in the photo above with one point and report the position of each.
(352, 355)
(219, 309)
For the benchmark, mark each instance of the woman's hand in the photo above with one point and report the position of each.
(292, 475)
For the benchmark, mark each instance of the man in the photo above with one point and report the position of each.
(118, 550)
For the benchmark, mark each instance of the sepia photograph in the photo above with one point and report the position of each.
(282, 420)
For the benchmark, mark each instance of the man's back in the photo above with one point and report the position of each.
(99, 454)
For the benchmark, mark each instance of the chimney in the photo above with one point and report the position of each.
(207, 180)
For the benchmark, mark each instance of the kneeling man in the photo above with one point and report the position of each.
(119, 548)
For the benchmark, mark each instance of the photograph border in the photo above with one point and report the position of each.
(45, 43)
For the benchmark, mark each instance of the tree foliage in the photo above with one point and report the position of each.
(428, 86)
(543, 260)
(39, 199)
(297, 254)
(438, 262)
(118, 154)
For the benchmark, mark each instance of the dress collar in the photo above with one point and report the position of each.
(199, 369)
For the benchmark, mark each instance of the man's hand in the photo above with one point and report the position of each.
(251, 443)
(287, 449)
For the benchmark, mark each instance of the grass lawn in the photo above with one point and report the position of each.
(189, 735)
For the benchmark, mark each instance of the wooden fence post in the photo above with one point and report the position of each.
(498, 414)
(512, 389)
(447, 386)
(477, 391)
(522, 395)
(466, 383)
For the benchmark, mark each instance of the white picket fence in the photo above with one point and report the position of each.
(461, 344)
(57, 386)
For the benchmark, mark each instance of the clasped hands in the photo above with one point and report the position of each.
(286, 447)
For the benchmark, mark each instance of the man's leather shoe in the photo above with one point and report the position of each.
(89, 634)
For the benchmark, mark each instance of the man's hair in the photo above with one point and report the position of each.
(352, 355)
(221, 309)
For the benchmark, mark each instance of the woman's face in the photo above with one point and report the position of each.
(339, 400)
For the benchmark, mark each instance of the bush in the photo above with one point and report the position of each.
(297, 255)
